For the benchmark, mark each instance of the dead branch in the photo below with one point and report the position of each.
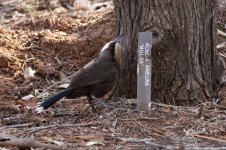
(179, 108)
(218, 106)
(29, 143)
(146, 141)
(31, 130)
(163, 105)
(141, 119)
(210, 138)
(16, 126)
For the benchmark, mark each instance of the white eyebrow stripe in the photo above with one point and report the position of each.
(106, 46)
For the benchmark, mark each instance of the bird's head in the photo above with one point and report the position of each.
(112, 49)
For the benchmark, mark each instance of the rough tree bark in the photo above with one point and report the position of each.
(186, 65)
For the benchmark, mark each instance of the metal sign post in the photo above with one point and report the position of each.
(144, 71)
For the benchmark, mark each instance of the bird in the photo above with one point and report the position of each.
(95, 79)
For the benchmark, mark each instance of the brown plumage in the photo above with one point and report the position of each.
(96, 78)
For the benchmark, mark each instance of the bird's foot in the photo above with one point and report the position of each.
(103, 104)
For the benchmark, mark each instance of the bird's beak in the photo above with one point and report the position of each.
(117, 38)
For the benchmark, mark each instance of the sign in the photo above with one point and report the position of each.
(144, 71)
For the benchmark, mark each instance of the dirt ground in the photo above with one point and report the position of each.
(41, 43)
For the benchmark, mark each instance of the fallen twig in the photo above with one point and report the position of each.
(218, 106)
(142, 118)
(171, 106)
(164, 105)
(74, 113)
(210, 138)
(129, 139)
(63, 126)
(29, 143)
(146, 141)
(16, 126)
(82, 113)
(31, 130)
(215, 105)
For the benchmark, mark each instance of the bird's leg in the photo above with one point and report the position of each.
(110, 97)
(90, 100)
(103, 104)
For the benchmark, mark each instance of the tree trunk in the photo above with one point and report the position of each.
(186, 66)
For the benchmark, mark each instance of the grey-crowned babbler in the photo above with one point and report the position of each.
(96, 78)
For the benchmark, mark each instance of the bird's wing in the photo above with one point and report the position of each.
(94, 73)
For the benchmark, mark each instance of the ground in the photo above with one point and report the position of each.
(54, 40)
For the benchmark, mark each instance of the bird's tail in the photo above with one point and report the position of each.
(49, 102)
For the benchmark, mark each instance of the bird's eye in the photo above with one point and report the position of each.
(112, 44)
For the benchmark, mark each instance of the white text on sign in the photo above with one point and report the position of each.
(144, 56)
